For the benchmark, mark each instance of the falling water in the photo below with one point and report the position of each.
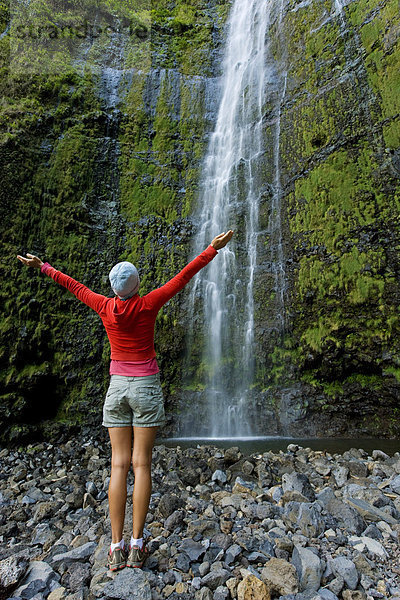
(232, 183)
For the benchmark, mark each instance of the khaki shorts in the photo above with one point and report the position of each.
(134, 401)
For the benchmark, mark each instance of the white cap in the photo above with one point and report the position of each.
(124, 279)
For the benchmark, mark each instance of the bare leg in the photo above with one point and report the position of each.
(121, 445)
(143, 442)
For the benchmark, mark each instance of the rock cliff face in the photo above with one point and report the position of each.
(101, 150)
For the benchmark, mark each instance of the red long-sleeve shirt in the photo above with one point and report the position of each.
(130, 323)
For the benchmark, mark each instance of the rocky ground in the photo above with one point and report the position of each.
(295, 525)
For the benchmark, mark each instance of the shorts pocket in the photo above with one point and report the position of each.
(116, 392)
(147, 402)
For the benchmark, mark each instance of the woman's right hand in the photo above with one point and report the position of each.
(32, 261)
(221, 240)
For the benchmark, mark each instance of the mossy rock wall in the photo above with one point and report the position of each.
(340, 138)
(100, 161)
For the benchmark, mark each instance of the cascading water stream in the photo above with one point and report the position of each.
(231, 186)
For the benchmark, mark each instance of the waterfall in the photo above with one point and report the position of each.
(232, 183)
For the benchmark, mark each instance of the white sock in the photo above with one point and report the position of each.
(137, 542)
(120, 544)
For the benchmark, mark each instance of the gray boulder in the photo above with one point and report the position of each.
(366, 544)
(219, 476)
(306, 517)
(298, 482)
(395, 484)
(232, 553)
(42, 534)
(221, 593)
(340, 475)
(203, 594)
(206, 527)
(327, 594)
(215, 578)
(34, 495)
(168, 504)
(370, 512)
(194, 550)
(80, 553)
(308, 567)
(345, 568)
(346, 517)
(39, 578)
(12, 570)
(129, 584)
(79, 575)
(336, 585)
(174, 520)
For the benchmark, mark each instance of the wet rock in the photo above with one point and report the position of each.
(280, 577)
(308, 567)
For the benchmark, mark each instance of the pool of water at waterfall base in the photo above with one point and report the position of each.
(249, 445)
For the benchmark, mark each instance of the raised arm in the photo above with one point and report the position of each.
(83, 293)
(157, 298)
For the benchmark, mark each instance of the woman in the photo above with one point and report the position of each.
(134, 397)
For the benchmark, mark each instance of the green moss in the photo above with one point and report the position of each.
(377, 31)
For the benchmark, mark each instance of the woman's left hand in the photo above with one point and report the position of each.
(32, 261)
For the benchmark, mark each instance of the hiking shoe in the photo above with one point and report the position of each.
(137, 556)
(116, 559)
